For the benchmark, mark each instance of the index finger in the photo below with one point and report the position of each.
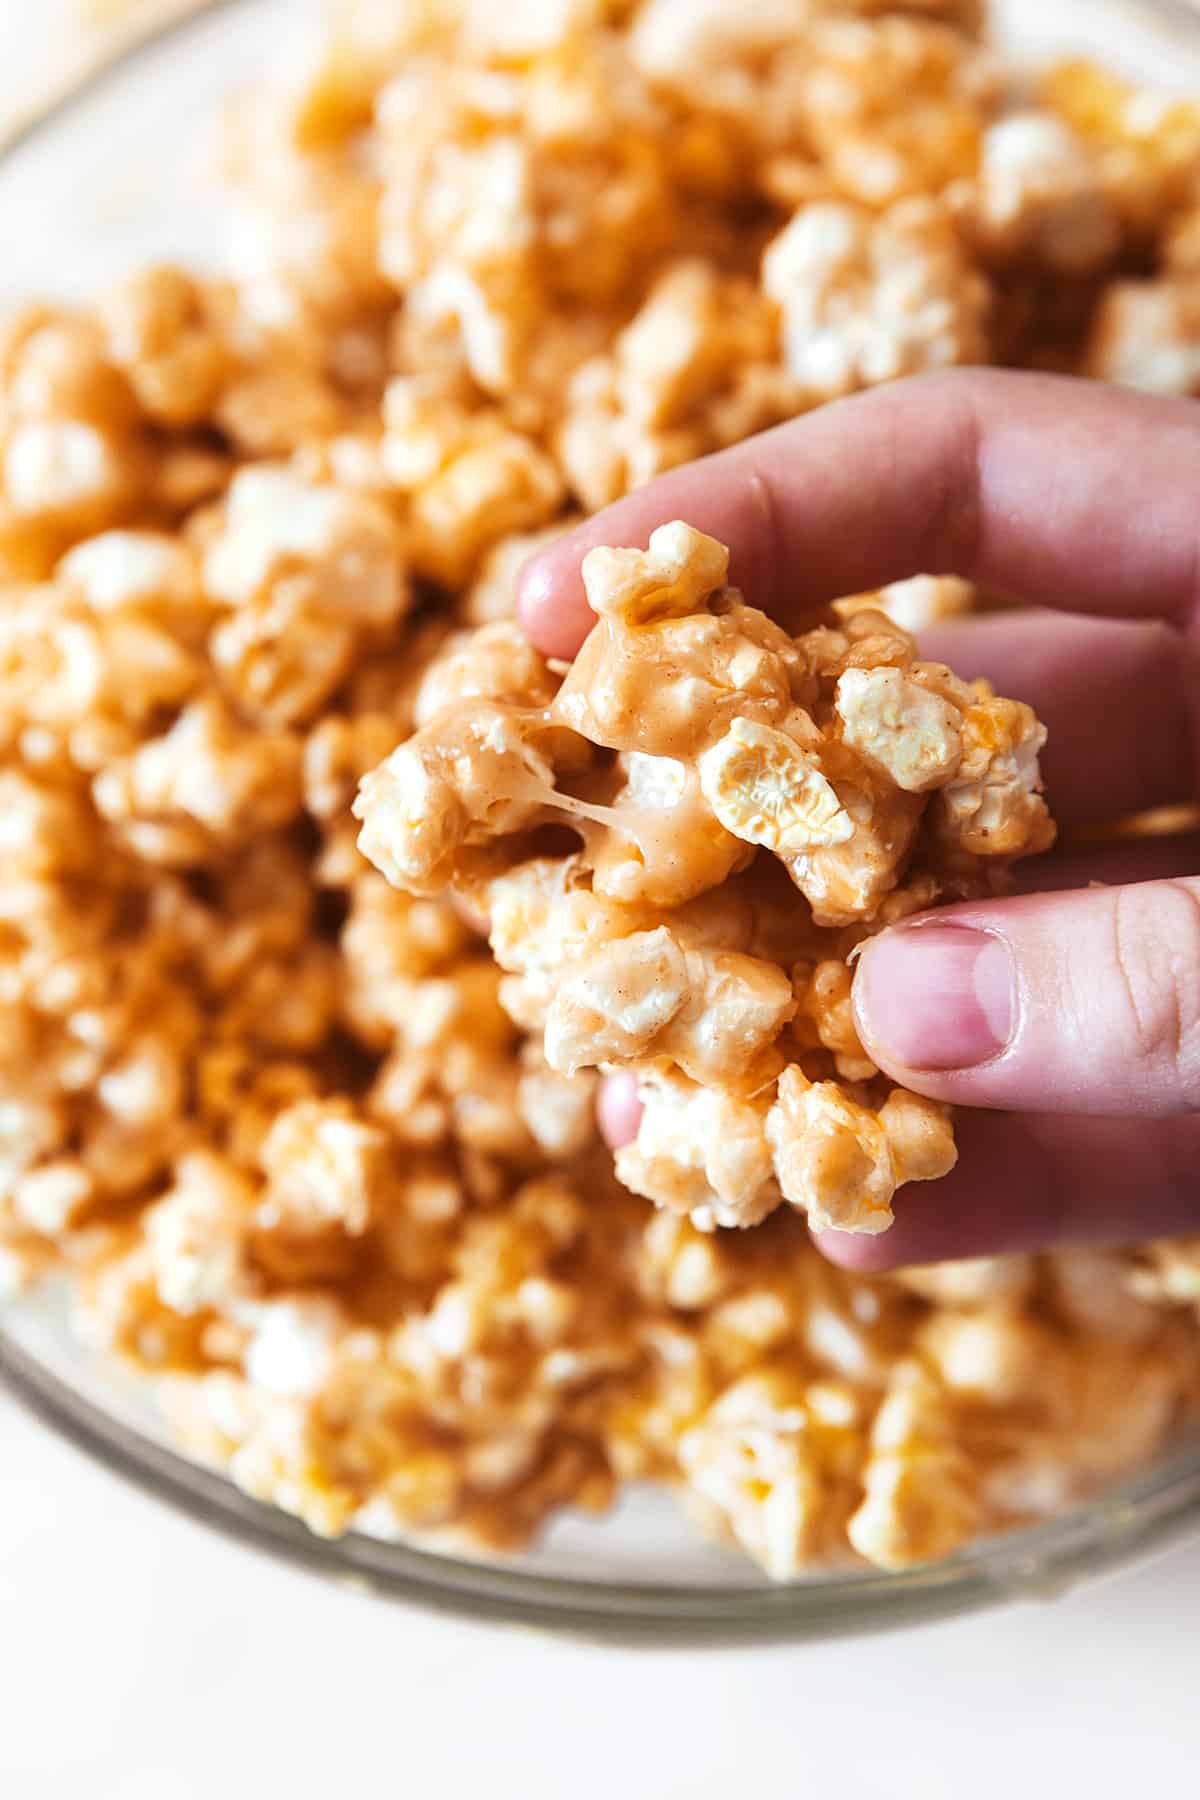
(1045, 487)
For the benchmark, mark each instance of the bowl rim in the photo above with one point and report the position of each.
(1038, 1562)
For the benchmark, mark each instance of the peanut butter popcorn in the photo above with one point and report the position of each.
(864, 298)
(920, 1501)
(1041, 196)
(838, 754)
(319, 1167)
(1145, 336)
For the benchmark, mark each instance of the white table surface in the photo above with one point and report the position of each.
(145, 1658)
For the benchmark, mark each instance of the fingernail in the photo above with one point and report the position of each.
(936, 996)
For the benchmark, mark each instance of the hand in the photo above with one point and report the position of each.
(1076, 1010)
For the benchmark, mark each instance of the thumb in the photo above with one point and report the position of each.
(1085, 1002)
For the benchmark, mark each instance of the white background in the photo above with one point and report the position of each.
(143, 1658)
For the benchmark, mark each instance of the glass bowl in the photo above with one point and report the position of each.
(110, 176)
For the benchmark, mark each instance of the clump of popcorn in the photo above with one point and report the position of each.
(730, 750)
(865, 298)
(314, 1166)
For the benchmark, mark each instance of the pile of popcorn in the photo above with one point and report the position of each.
(306, 1157)
(689, 734)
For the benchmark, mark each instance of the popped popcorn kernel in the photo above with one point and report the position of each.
(343, 546)
(209, 781)
(1147, 143)
(699, 1151)
(763, 788)
(672, 685)
(924, 600)
(866, 299)
(831, 1156)
(921, 1499)
(674, 576)
(993, 803)
(919, 1136)
(766, 1460)
(826, 1016)
(163, 330)
(323, 1166)
(426, 801)
(1040, 196)
(482, 495)
(1144, 336)
(912, 733)
(495, 662)
(895, 105)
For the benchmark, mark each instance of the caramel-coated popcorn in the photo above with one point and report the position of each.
(314, 1162)
(865, 297)
(855, 766)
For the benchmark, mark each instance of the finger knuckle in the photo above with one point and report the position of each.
(769, 537)
(1156, 963)
(954, 527)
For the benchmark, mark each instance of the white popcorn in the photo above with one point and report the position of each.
(998, 775)
(675, 40)
(291, 1350)
(129, 568)
(832, 1156)
(701, 1151)
(752, 1458)
(1145, 336)
(866, 299)
(622, 998)
(672, 577)
(1040, 194)
(534, 28)
(275, 522)
(912, 733)
(50, 1197)
(988, 1353)
(654, 781)
(924, 600)
(60, 465)
(194, 1236)
(766, 790)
